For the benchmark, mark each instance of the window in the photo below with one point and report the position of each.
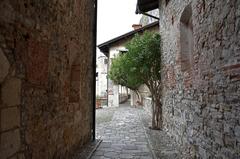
(186, 42)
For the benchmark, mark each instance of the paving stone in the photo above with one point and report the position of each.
(163, 146)
(99, 153)
(123, 156)
(123, 137)
(105, 145)
(131, 147)
(127, 136)
(111, 154)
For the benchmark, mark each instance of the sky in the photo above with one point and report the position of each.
(115, 17)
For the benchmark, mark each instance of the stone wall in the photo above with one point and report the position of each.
(147, 105)
(201, 94)
(45, 77)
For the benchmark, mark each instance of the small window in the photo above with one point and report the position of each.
(187, 43)
(186, 38)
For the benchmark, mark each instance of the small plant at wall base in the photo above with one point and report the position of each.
(141, 65)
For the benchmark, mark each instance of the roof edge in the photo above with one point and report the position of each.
(146, 5)
(104, 47)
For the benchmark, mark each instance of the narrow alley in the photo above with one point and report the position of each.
(67, 67)
(125, 134)
(122, 134)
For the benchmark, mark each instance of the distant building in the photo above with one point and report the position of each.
(111, 49)
(101, 78)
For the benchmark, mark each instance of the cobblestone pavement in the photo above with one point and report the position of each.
(122, 133)
(161, 144)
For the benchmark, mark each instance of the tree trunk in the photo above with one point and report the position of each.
(157, 122)
(153, 114)
(139, 96)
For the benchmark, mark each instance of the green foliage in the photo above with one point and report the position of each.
(141, 64)
(119, 73)
(145, 57)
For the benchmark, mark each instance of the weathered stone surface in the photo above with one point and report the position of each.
(41, 40)
(4, 66)
(122, 133)
(10, 143)
(147, 105)
(201, 105)
(11, 92)
(7, 12)
(37, 63)
(10, 118)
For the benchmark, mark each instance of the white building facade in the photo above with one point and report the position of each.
(101, 80)
(111, 48)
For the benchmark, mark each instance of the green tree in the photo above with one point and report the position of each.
(142, 65)
(118, 73)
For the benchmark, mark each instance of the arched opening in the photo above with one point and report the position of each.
(186, 43)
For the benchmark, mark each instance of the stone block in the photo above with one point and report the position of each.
(77, 116)
(226, 128)
(229, 141)
(7, 15)
(39, 53)
(10, 143)
(4, 66)
(11, 92)
(215, 78)
(237, 131)
(21, 156)
(10, 118)
(37, 63)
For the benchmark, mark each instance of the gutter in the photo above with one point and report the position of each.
(107, 77)
(94, 51)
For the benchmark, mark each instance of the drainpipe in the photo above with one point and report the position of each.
(107, 78)
(94, 44)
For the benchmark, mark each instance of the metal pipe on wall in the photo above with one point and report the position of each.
(94, 33)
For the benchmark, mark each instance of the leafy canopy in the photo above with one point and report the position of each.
(140, 65)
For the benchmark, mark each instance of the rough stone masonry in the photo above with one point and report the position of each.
(45, 77)
(201, 76)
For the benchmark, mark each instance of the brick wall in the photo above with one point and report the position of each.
(45, 77)
(201, 108)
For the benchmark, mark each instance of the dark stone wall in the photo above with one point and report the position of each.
(45, 77)
(201, 107)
